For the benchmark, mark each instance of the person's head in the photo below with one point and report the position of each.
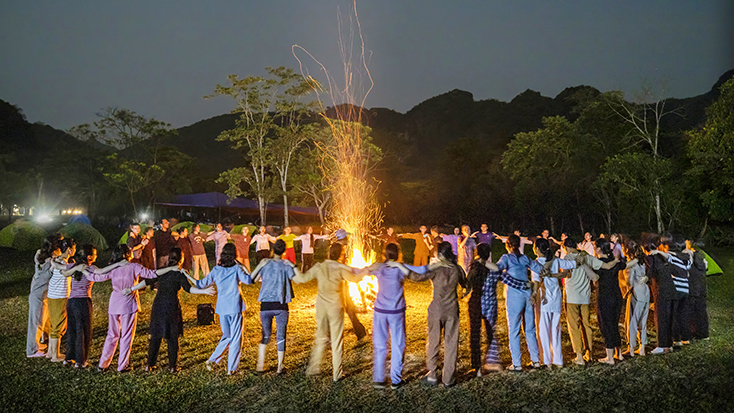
(390, 230)
(309, 230)
(165, 224)
(46, 251)
(218, 227)
(183, 232)
(228, 257)
(423, 229)
(120, 252)
(587, 237)
(483, 228)
(279, 248)
(513, 245)
(175, 257)
(465, 230)
(335, 251)
(67, 246)
(603, 247)
(135, 228)
(87, 255)
(197, 228)
(457, 231)
(341, 234)
(569, 245)
(446, 251)
(545, 234)
(542, 248)
(516, 232)
(673, 242)
(634, 250)
(262, 229)
(392, 251)
(564, 235)
(649, 242)
(287, 231)
(149, 232)
(483, 250)
(614, 238)
(434, 231)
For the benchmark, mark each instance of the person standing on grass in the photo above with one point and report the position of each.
(422, 245)
(166, 319)
(523, 240)
(587, 244)
(198, 252)
(453, 239)
(164, 241)
(467, 246)
(519, 301)
(262, 244)
(58, 293)
(330, 276)
(308, 241)
(184, 244)
(578, 297)
(484, 236)
(227, 276)
(147, 256)
(289, 238)
(220, 237)
(37, 301)
(550, 298)
(609, 301)
(698, 317)
(389, 317)
(443, 313)
(79, 309)
(123, 309)
(276, 292)
(637, 294)
(135, 241)
(242, 244)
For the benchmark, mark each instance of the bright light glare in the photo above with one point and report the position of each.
(43, 219)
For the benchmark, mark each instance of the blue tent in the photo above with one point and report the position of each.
(220, 200)
(80, 218)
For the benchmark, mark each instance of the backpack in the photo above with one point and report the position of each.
(204, 314)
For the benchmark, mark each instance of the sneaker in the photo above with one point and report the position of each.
(209, 365)
(661, 350)
(493, 367)
(396, 386)
(38, 353)
(514, 369)
(427, 379)
(379, 384)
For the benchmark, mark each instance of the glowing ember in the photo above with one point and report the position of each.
(364, 292)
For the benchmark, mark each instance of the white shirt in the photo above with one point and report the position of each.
(59, 285)
(306, 247)
(578, 287)
(587, 246)
(553, 294)
(262, 242)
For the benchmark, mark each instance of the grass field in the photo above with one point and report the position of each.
(698, 378)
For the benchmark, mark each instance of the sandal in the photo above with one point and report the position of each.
(514, 369)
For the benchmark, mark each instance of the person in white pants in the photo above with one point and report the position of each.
(550, 298)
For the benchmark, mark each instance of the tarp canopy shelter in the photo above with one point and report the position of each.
(245, 206)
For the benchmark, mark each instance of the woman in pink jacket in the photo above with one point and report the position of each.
(123, 309)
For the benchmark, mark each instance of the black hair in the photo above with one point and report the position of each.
(434, 228)
(543, 247)
(335, 251)
(483, 250)
(174, 256)
(228, 258)
(604, 245)
(279, 247)
(569, 243)
(50, 244)
(392, 251)
(70, 243)
(119, 253)
(649, 241)
(675, 242)
(87, 250)
(447, 251)
(514, 242)
(634, 250)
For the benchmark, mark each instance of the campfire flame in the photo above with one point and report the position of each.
(364, 292)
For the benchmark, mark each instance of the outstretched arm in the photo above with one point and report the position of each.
(255, 274)
(108, 268)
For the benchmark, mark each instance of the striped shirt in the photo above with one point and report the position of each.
(680, 277)
(59, 285)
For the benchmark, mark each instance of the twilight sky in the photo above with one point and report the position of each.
(62, 61)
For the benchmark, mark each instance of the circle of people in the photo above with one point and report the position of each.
(664, 269)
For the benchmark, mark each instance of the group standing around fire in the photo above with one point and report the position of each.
(625, 274)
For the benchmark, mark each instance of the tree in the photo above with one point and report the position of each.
(269, 129)
(644, 121)
(131, 176)
(711, 150)
(310, 182)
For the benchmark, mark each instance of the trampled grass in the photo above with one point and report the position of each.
(697, 378)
